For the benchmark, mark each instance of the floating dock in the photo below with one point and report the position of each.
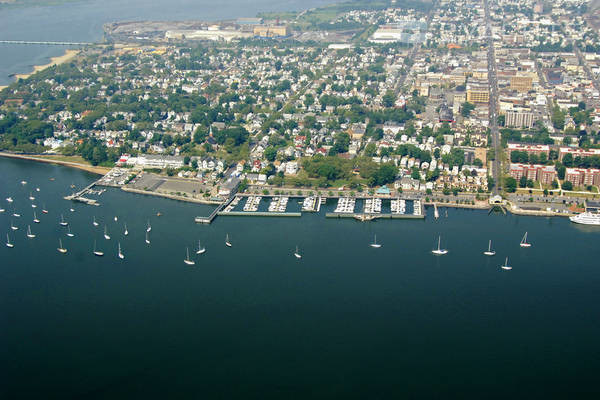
(260, 214)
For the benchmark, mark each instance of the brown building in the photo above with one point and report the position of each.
(271, 30)
(545, 174)
(478, 93)
(521, 83)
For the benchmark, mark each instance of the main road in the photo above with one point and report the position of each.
(493, 107)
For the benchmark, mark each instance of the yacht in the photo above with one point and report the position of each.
(187, 258)
(72, 209)
(106, 236)
(23, 183)
(201, 249)
(147, 238)
(94, 221)
(62, 221)
(69, 234)
(489, 251)
(505, 265)
(120, 253)
(44, 211)
(439, 251)
(297, 254)
(227, 242)
(2, 210)
(14, 228)
(33, 206)
(126, 231)
(16, 214)
(8, 243)
(9, 199)
(29, 234)
(375, 244)
(149, 228)
(116, 219)
(586, 218)
(35, 218)
(97, 252)
(60, 248)
(524, 241)
(31, 196)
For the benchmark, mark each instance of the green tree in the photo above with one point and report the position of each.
(270, 153)
(466, 108)
(510, 184)
(567, 185)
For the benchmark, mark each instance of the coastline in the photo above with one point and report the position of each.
(88, 168)
(58, 60)
(170, 196)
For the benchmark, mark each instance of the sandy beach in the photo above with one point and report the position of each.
(50, 160)
(68, 56)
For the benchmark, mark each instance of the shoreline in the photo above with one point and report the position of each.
(58, 60)
(170, 196)
(87, 168)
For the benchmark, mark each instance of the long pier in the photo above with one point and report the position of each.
(45, 43)
(216, 211)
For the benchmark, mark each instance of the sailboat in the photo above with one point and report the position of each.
(227, 242)
(9, 199)
(16, 214)
(29, 234)
(439, 251)
(116, 219)
(187, 258)
(60, 248)
(23, 183)
(37, 189)
(120, 254)
(489, 251)
(2, 210)
(149, 228)
(97, 252)
(297, 253)
(147, 239)
(201, 249)
(14, 228)
(31, 196)
(33, 206)
(375, 244)
(72, 209)
(69, 234)
(35, 218)
(506, 266)
(8, 243)
(126, 231)
(62, 221)
(106, 233)
(44, 211)
(524, 241)
(94, 222)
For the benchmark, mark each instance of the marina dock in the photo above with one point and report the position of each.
(79, 196)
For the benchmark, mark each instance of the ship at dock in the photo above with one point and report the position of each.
(591, 216)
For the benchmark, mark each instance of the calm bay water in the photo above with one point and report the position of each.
(82, 22)
(251, 321)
